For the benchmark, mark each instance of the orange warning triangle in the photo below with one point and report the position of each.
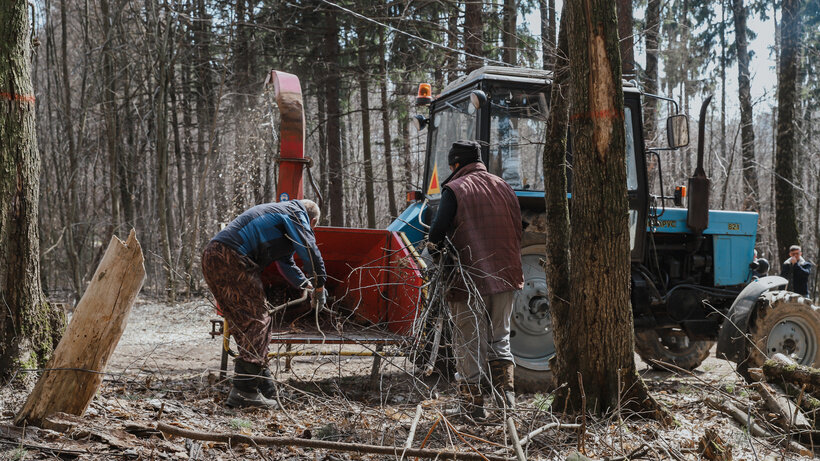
(434, 187)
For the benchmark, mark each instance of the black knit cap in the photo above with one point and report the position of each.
(464, 152)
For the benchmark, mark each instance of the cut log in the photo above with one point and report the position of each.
(755, 429)
(789, 416)
(784, 370)
(74, 372)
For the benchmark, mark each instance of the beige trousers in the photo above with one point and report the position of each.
(482, 333)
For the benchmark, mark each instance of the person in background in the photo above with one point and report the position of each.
(232, 264)
(797, 271)
(479, 213)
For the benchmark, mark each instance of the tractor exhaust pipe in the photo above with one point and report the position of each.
(698, 213)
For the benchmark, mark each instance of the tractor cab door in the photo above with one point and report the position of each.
(636, 183)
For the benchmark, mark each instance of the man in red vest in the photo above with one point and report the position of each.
(480, 215)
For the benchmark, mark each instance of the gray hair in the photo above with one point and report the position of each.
(312, 208)
(795, 247)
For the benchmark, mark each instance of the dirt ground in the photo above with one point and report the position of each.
(165, 368)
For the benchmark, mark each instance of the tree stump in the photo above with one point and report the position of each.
(73, 374)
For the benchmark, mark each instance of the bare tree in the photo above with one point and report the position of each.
(30, 325)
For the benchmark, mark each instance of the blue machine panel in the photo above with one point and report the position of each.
(734, 234)
(408, 222)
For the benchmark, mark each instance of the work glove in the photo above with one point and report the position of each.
(319, 298)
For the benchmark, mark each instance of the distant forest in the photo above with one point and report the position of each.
(153, 115)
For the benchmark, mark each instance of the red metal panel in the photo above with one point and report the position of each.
(371, 273)
(288, 93)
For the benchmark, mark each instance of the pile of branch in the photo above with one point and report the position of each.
(789, 407)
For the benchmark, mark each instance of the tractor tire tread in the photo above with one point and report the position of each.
(771, 308)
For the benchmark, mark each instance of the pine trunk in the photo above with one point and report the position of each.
(557, 206)
(364, 90)
(473, 33)
(334, 147)
(388, 154)
(625, 31)
(786, 222)
(29, 326)
(747, 133)
(653, 25)
(509, 40)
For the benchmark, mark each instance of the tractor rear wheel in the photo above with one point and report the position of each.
(671, 346)
(786, 323)
(531, 326)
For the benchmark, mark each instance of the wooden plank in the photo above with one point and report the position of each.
(74, 372)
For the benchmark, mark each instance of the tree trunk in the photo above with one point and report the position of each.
(557, 206)
(625, 28)
(112, 124)
(364, 89)
(508, 36)
(603, 360)
(747, 133)
(452, 42)
(404, 127)
(95, 329)
(29, 326)
(162, 63)
(334, 147)
(388, 154)
(786, 222)
(473, 33)
(653, 25)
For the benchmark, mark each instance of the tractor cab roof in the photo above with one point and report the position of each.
(511, 74)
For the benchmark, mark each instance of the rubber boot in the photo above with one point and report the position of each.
(502, 373)
(245, 387)
(472, 402)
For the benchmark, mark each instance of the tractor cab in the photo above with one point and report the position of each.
(505, 109)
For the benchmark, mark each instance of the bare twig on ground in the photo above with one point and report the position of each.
(232, 439)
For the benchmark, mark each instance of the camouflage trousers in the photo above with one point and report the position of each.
(237, 287)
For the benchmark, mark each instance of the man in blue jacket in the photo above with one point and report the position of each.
(232, 264)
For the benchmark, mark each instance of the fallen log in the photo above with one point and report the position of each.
(789, 416)
(781, 368)
(232, 439)
(754, 429)
(75, 371)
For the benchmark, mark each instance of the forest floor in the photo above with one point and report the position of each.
(166, 368)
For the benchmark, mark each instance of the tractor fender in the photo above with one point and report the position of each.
(732, 338)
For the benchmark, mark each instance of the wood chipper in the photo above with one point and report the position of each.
(374, 276)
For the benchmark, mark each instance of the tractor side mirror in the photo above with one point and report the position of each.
(677, 131)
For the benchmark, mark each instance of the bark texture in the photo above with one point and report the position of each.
(653, 25)
(364, 89)
(602, 363)
(29, 326)
(334, 138)
(473, 31)
(509, 39)
(557, 206)
(747, 133)
(625, 32)
(785, 205)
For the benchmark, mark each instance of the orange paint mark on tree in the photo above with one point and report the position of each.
(17, 97)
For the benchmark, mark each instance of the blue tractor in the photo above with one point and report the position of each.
(693, 282)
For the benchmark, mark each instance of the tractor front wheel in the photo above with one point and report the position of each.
(786, 323)
(671, 346)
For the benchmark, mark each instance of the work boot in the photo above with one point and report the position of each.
(502, 373)
(245, 387)
(472, 402)
(267, 386)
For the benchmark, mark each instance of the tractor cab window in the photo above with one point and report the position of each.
(451, 122)
(517, 132)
